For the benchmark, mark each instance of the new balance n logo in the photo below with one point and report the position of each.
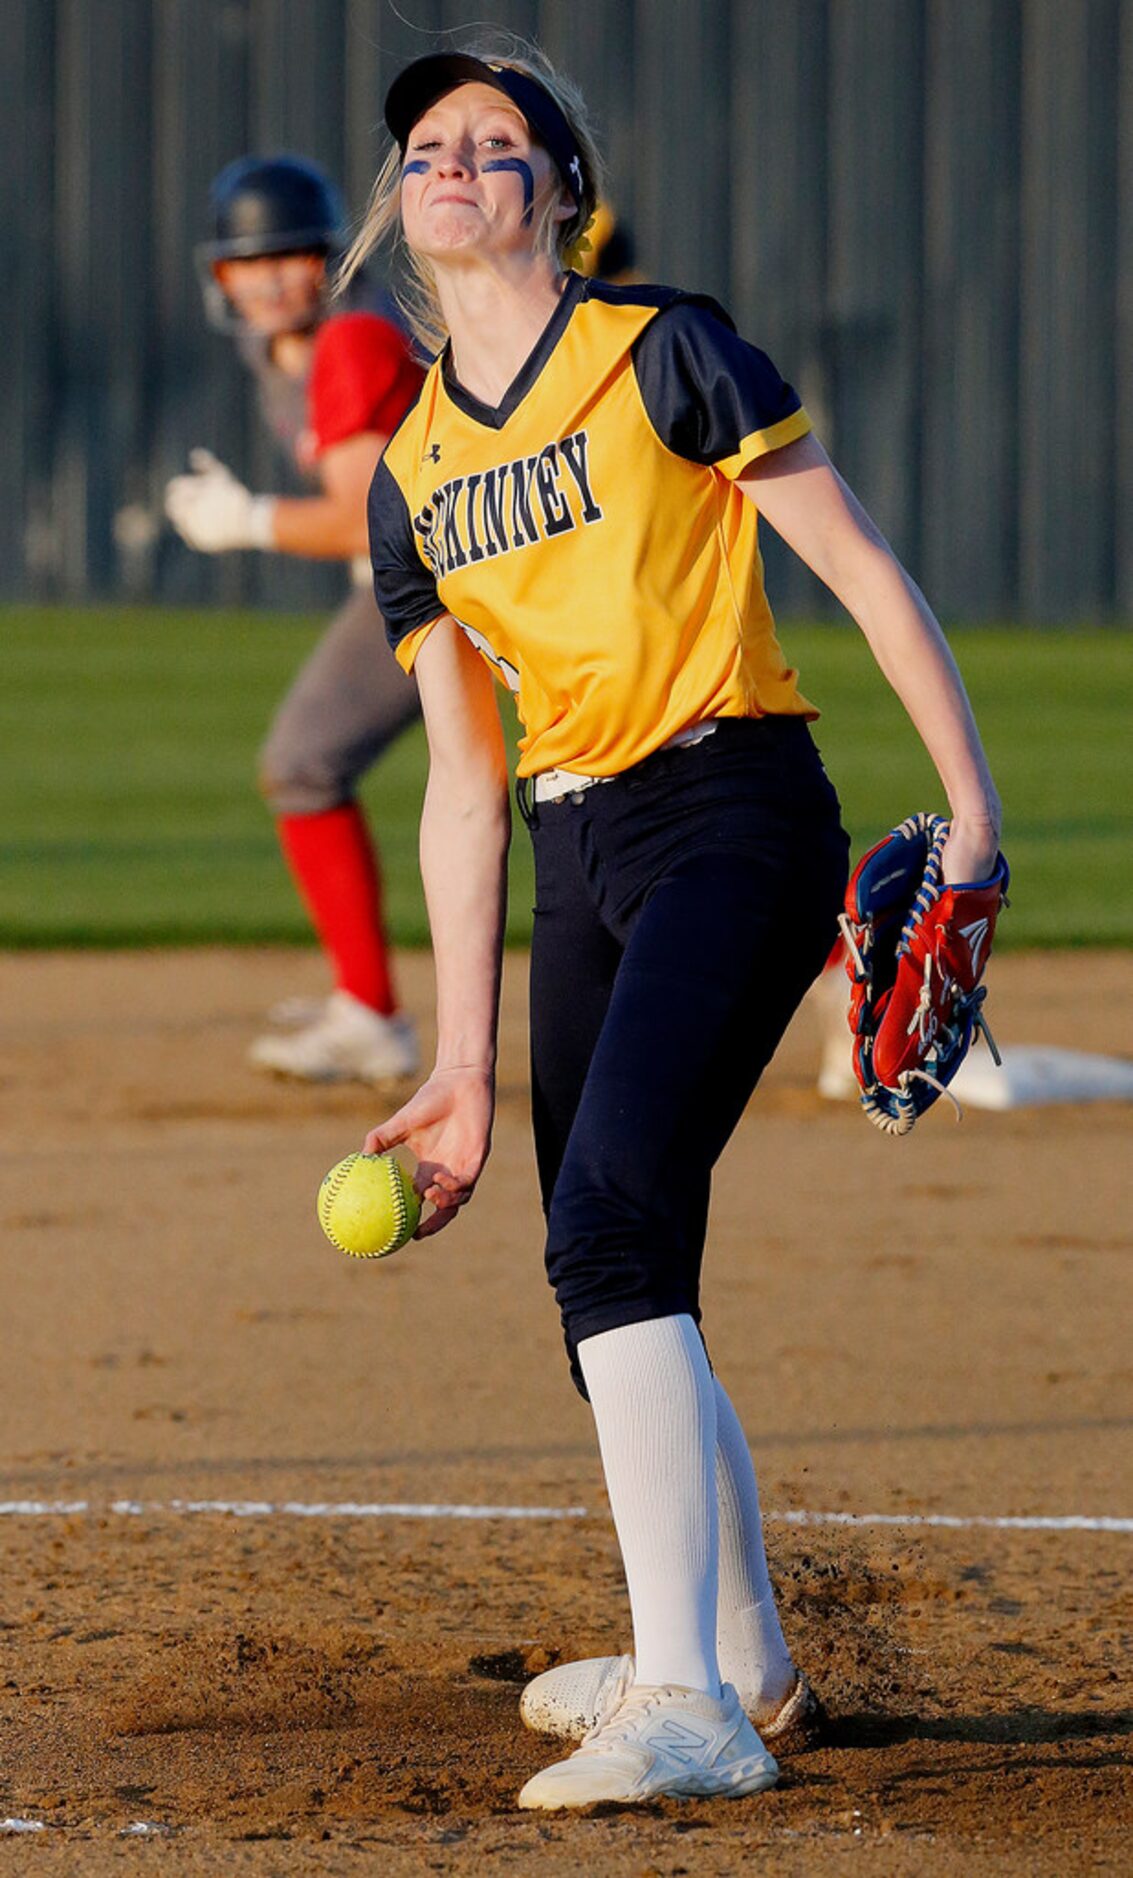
(678, 1742)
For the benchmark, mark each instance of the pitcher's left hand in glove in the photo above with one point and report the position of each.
(916, 950)
(212, 511)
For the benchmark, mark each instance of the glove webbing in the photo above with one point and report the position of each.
(932, 881)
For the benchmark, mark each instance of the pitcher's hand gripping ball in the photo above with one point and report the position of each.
(916, 950)
(368, 1206)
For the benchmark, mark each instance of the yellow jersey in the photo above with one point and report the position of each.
(587, 534)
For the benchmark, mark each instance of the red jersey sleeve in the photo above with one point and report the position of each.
(363, 377)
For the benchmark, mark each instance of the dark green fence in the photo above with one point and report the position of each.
(922, 208)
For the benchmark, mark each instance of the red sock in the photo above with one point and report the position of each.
(335, 867)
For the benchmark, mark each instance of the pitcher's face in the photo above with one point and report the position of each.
(474, 180)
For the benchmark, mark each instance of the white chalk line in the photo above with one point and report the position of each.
(411, 1509)
(287, 1509)
(137, 1829)
(962, 1522)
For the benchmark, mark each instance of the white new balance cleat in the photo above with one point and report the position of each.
(566, 1702)
(799, 1720)
(348, 1042)
(655, 1741)
(296, 1013)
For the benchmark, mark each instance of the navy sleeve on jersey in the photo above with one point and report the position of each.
(710, 396)
(403, 586)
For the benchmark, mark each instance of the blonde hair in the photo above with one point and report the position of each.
(417, 292)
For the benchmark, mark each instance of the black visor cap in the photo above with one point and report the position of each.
(420, 85)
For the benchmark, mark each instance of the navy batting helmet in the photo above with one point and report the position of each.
(268, 205)
(274, 205)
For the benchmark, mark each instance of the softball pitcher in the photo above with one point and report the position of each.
(571, 507)
(332, 387)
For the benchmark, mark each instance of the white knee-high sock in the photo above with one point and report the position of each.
(654, 1405)
(753, 1651)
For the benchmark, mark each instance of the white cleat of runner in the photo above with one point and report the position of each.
(654, 1741)
(567, 1702)
(296, 1013)
(348, 1042)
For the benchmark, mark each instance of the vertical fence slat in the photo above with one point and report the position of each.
(27, 538)
(595, 46)
(874, 267)
(201, 88)
(298, 83)
(1067, 358)
(682, 72)
(778, 223)
(103, 233)
(295, 105)
(971, 313)
(1123, 337)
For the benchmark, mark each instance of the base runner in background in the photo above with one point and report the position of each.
(332, 387)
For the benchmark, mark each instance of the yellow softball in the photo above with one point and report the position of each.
(368, 1206)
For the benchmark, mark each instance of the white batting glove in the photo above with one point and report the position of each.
(212, 510)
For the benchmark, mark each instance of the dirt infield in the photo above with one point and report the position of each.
(930, 1327)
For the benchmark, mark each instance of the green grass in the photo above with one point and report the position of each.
(128, 741)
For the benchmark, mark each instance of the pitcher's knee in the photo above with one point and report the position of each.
(611, 1264)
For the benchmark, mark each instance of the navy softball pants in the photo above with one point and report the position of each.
(682, 910)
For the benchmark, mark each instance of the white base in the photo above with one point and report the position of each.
(1033, 1074)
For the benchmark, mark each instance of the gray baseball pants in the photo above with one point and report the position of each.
(348, 702)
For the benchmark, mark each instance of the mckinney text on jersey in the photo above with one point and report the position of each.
(511, 506)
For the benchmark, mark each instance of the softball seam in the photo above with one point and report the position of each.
(330, 1191)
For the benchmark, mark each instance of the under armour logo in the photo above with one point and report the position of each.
(432, 454)
(975, 934)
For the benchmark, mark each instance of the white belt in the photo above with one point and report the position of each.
(554, 785)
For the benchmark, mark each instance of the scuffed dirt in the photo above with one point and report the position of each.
(907, 1328)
